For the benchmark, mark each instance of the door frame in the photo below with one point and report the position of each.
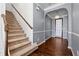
(62, 26)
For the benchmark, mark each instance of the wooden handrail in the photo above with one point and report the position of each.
(21, 16)
(6, 30)
(5, 22)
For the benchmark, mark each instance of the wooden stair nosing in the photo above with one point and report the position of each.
(14, 30)
(29, 52)
(23, 51)
(19, 45)
(15, 34)
(17, 39)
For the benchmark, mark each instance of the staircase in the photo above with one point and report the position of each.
(18, 43)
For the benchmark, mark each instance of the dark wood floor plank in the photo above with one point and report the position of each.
(53, 47)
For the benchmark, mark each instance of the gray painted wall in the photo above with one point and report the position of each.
(48, 27)
(53, 28)
(42, 28)
(65, 27)
(75, 26)
(38, 25)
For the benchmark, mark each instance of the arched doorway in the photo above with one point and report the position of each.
(56, 23)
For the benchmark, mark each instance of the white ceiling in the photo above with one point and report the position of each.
(60, 12)
(45, 5)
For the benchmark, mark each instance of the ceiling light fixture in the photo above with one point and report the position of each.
(56, 17)
(37, 8)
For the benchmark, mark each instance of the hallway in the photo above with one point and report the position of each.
(53, 47)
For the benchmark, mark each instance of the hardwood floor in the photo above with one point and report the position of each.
(53, 47)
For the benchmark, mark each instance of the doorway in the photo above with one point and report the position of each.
(59, 27)
(57, 22)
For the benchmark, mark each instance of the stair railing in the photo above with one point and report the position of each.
(21, 16)
(6, 31)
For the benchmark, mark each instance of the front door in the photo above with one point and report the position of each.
(59, 27)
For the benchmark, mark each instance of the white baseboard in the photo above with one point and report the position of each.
(48, 37)
(41, 43)
(44, 41)
(71, 50)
